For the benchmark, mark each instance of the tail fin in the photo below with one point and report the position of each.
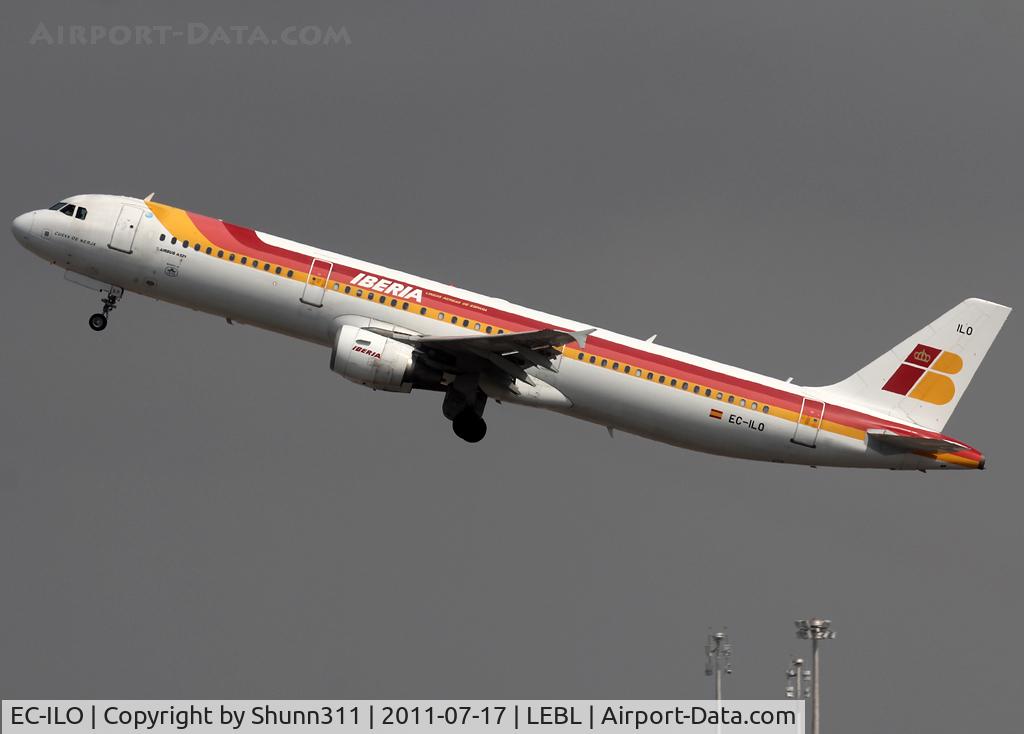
(922, 378)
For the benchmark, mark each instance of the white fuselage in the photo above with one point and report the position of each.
(300, 291)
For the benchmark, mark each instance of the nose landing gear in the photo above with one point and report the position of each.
(98, 321)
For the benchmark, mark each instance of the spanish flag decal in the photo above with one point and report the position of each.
(923, 375)
(715, 413)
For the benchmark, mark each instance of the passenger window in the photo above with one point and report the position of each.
(163, 237)
(753, 406)
(292, 272)
(174, 240)
(209, 250)
(465, 322)
(764, 409)
(277, 270)
(743, 403)
(604, 362)
(650, 375)
(220, 253)
(440, 316)
(476, 326)
(231, 257)
(626, 369)
(81, 212)
(696, 389)
(68, 209)
(615, 365)
(732, 398)
(579, 356)
(673, 383)
(405, 306)
(383, 299)
(423, 311)
(244, 260)
(393, 303)
(266, 266)
(686, 386)
(592, 359)
(455, 319)
(707, 392)
(718, 396)
(488, 329)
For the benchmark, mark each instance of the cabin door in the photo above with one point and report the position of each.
(316, 282)
(809, 423)
(125, 229)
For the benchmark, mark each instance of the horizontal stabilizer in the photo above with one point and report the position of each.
(912, 444)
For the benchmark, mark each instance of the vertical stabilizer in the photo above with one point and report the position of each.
(922, 378)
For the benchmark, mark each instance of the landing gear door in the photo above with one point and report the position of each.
(807, 426)
(125, 229)
(316, 283)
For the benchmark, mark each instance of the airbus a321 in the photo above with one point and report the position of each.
(394, 331)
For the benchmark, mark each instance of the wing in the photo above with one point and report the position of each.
(509, 354)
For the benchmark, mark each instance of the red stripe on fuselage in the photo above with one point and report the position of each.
(247, 241)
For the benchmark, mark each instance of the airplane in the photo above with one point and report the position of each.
(396, 332)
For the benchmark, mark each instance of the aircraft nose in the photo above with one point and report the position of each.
(22, 226)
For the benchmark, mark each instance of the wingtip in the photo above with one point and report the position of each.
(581, 336)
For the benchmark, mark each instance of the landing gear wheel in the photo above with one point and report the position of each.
(97, 322)
(469, 427)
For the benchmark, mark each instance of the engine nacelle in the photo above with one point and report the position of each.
(372, 360)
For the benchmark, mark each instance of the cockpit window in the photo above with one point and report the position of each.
(81, 212)
(68, 209)
(58, 205)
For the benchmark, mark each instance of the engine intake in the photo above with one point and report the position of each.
(373, 360)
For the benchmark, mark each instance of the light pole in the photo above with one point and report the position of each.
(815, 630)
(797, 679)
(718, 654)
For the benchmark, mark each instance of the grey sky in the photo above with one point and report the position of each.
(194, 509)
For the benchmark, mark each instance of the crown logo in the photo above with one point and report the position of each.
(922, 356)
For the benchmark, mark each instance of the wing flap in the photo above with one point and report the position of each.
(500, 351)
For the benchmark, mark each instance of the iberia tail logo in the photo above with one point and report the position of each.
(923, 375)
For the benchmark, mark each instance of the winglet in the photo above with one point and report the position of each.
(150, 197)
(581, 336)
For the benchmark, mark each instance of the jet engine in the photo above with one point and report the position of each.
(377, 361)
